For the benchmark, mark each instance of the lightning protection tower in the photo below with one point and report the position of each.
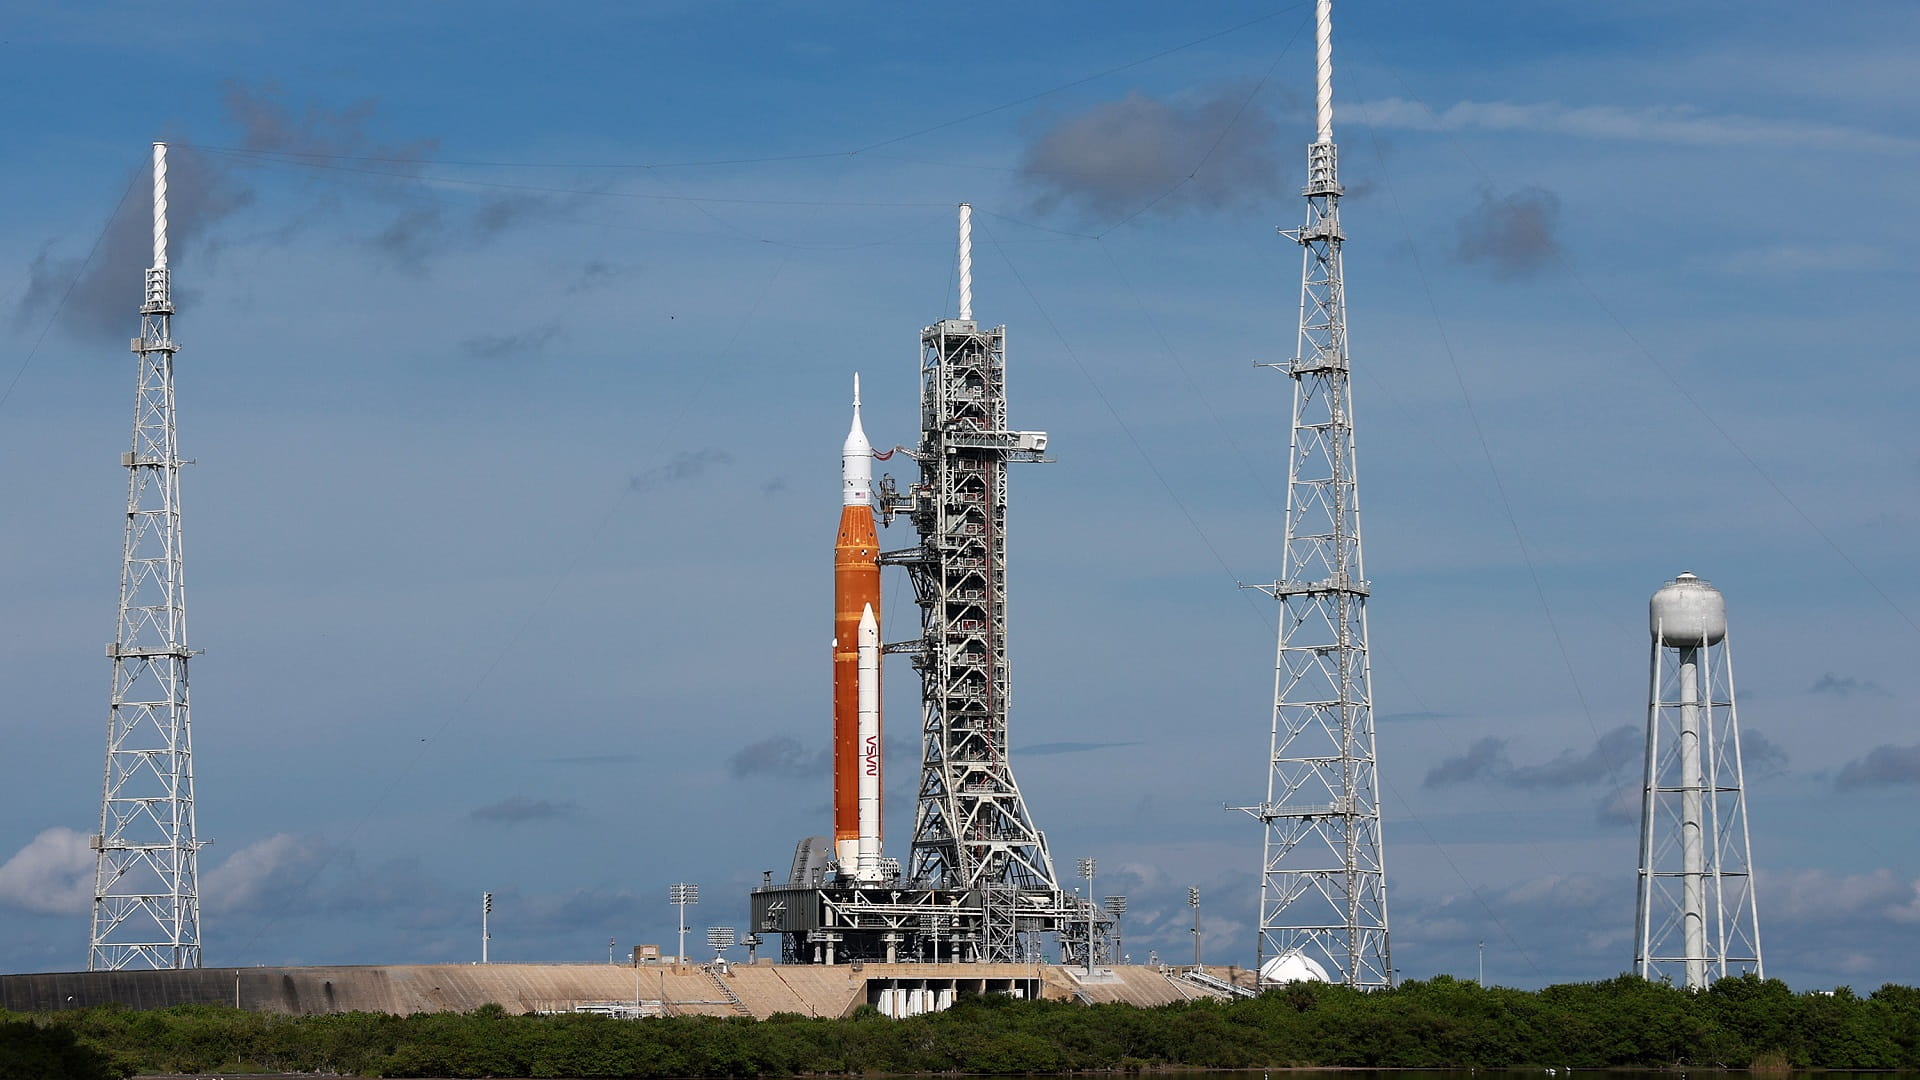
(146, 896)
(1696, 917)
(971, 829)
(1323, 895)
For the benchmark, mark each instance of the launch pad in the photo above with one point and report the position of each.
(905, 921)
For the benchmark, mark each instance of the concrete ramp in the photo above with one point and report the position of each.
(758, 990)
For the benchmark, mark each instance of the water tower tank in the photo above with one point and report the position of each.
(1688, 612)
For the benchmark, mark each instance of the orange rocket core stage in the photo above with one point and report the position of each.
(856, 586)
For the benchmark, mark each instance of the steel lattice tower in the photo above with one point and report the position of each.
(1323, 896)
(971, 828)
(146, 896)
(1696, 918)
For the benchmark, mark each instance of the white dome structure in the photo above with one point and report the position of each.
(1290, 967)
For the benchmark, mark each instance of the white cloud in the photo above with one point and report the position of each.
(53, 874)
(1682, 124)
(1822, 896)
(1807, 259)
(263, 871)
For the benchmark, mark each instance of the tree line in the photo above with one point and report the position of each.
(1439, 1023)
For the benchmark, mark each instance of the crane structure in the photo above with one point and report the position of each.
(1696, 917)
(1323, 896)
(146, 894)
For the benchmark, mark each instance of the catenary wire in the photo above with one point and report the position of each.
(1486, 449)
(67, 293)
(1664, 370)
(709, 372)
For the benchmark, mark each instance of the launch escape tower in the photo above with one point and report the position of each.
(1323, 897)
(1696, 917)
(146, 896)
(979, 884)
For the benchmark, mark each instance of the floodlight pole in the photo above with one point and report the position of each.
(1086, 871)
(680, 895)
(1193, 900)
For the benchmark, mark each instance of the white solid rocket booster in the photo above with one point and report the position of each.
(869, 858)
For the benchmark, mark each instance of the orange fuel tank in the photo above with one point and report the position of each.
(856, 587)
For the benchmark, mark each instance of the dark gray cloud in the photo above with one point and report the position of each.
(516, 809)
(268, 125)
(1203, 151)
(1511, 235)
(1883, 766)
(1487, 761)
(1761, 756)
(525, 345)
(102, 293)
(1622, 807)
(426, 221)
(774, 486)
(208, 188)
(598, 274)
(685, 465)
(780, 756)
(1846, 686)
(1612, 751)
(1617, 755)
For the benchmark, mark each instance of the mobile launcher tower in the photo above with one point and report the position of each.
(979, 884)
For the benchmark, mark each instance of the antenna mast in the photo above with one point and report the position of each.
(1323, 899)
(146, 895)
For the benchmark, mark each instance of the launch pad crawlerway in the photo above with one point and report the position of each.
(979, 884)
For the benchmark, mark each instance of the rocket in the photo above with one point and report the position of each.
(856, 663)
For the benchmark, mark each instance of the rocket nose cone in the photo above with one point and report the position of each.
(867, 620)
(856, 460)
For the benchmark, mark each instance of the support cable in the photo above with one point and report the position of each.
(709, 372)
(1138, 447)
(1486, 450)
(67, 293)
(1661, 367)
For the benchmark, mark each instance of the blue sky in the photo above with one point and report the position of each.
(508, 540)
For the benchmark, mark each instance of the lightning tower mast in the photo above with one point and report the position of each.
(146, 896)
(1323, 897)
(1697, 920)
(971, 829)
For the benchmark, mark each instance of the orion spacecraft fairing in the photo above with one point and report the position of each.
(856, 663)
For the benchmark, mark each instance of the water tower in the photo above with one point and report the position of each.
(1696, 920)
